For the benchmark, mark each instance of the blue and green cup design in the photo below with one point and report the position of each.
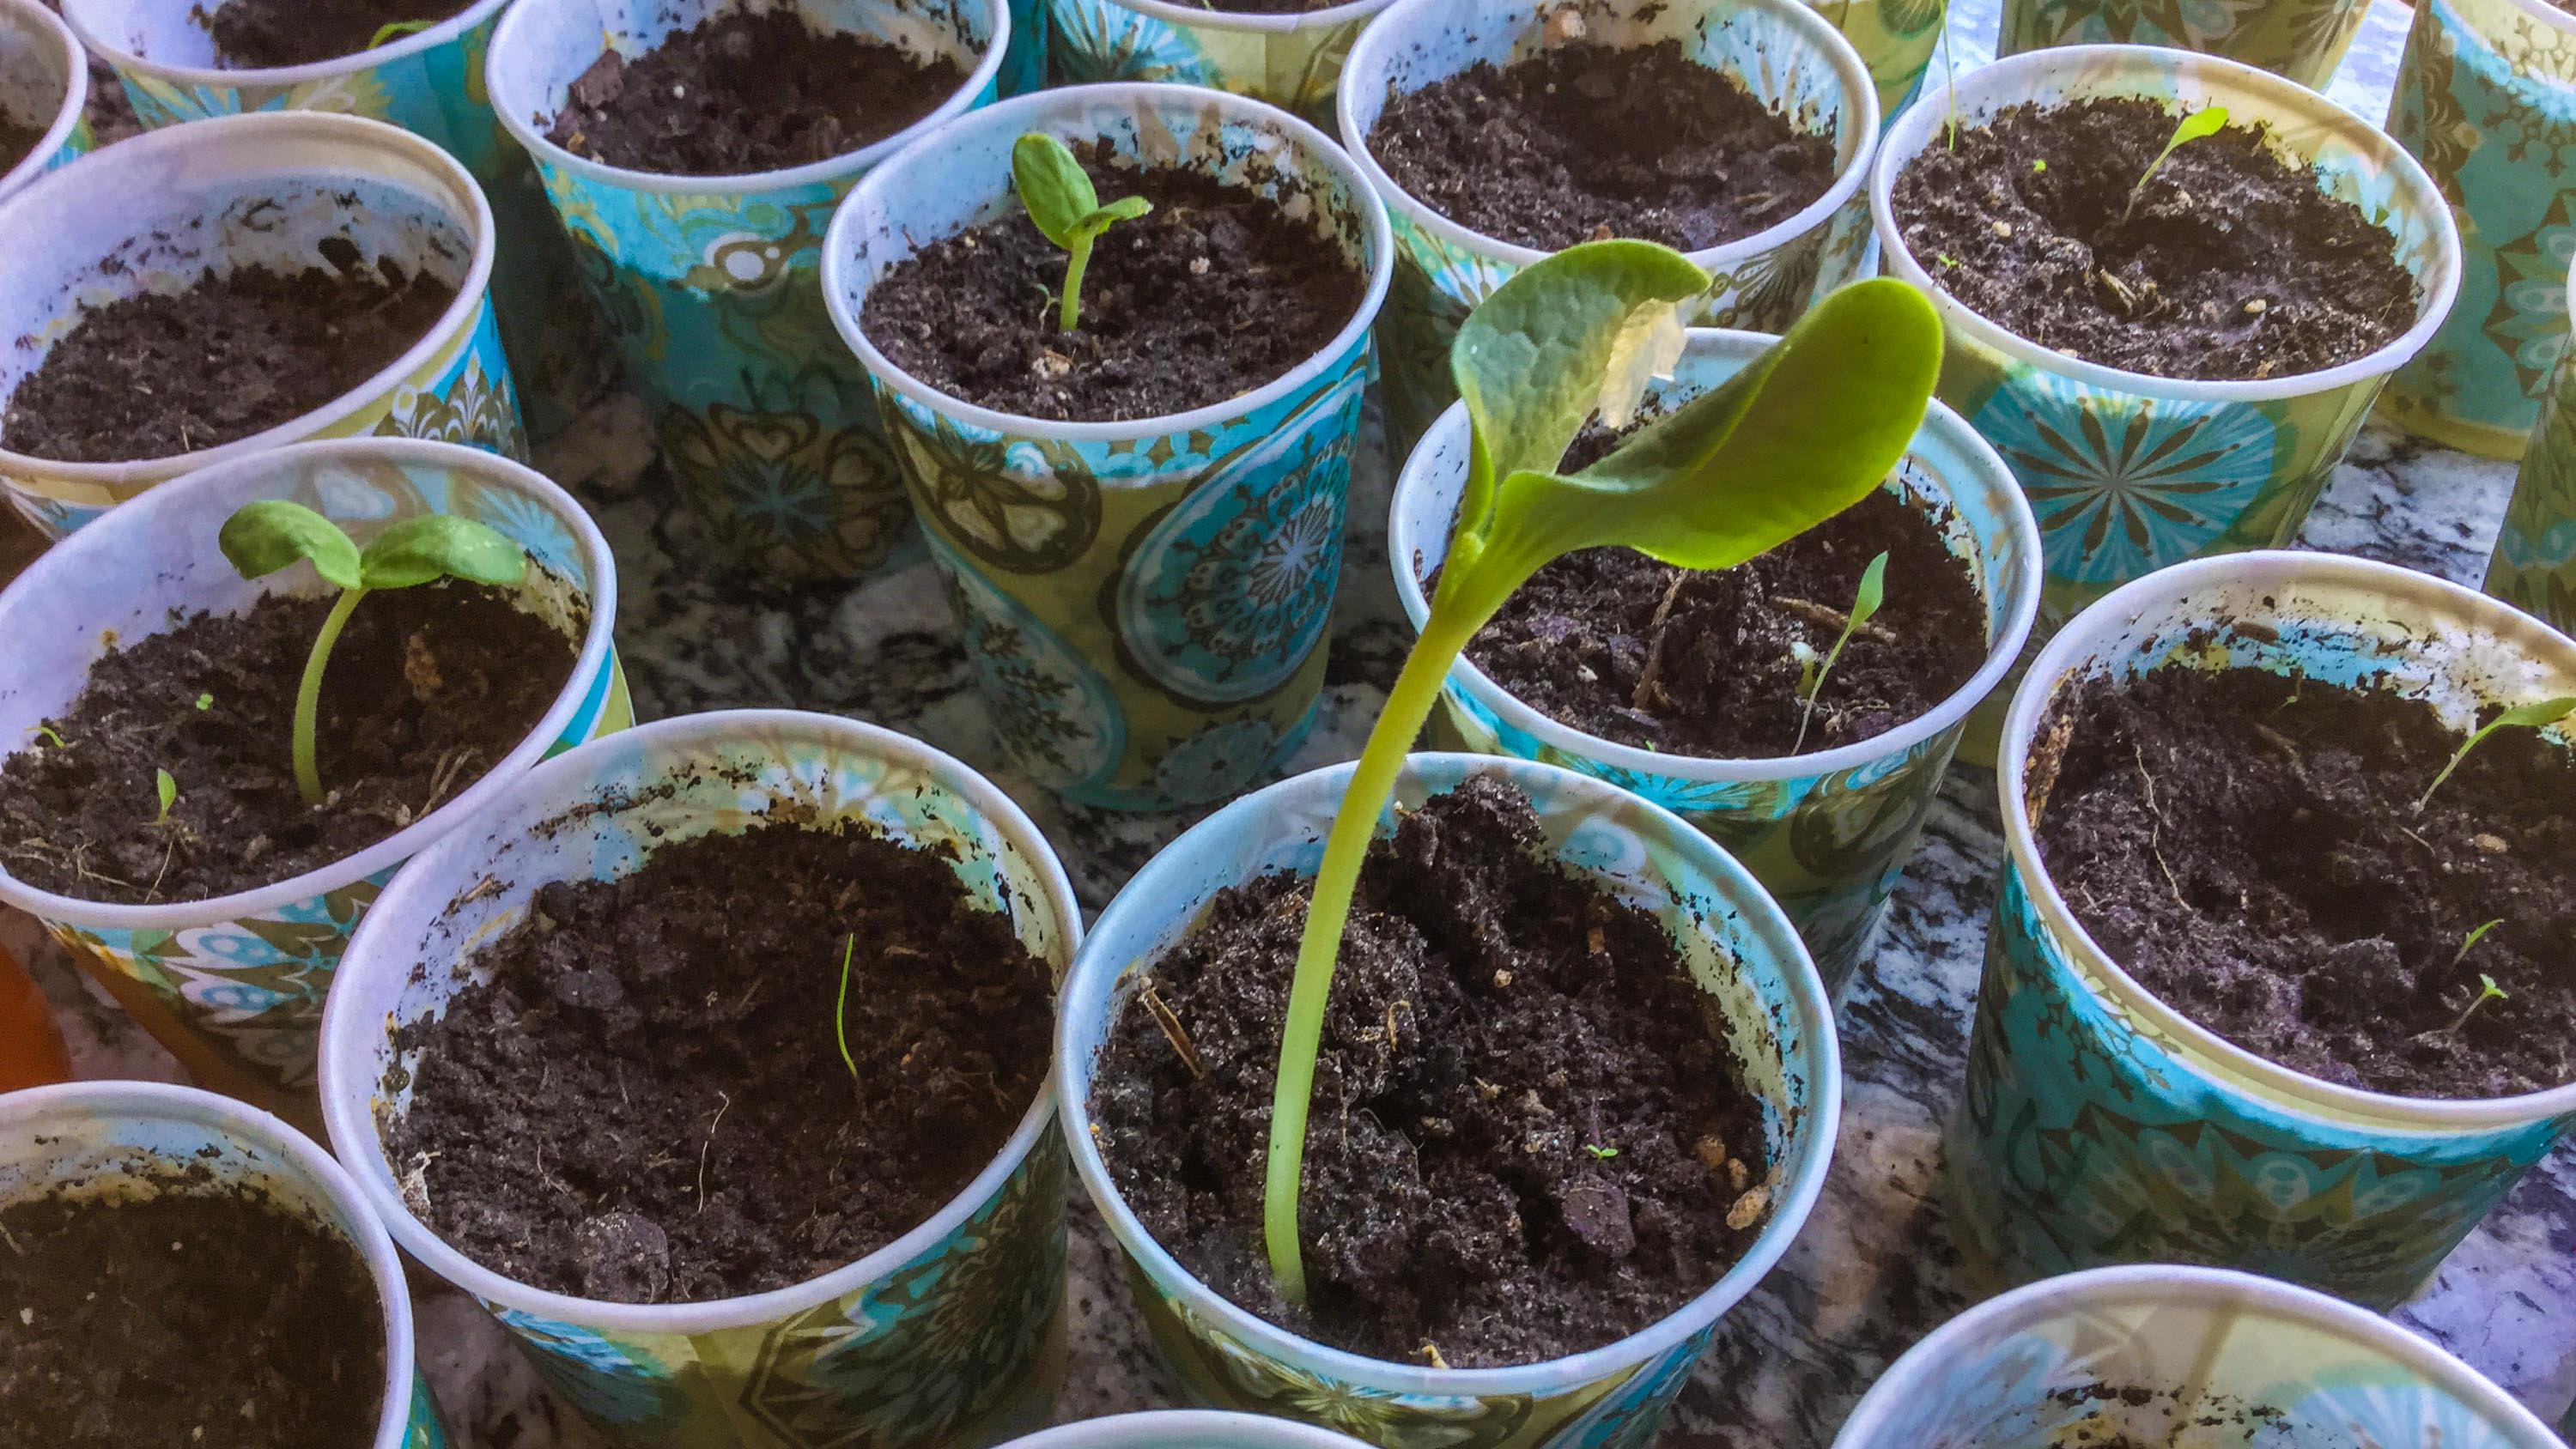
(44, 87)
(1292, 59)
(2534, 564)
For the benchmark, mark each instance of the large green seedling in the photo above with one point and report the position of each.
(1060, 200)
(1805, 430)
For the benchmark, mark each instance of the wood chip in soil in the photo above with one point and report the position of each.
(265, 34)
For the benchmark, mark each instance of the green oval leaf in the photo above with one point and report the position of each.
(1052, 186)
(265, 536)
(1871, 594)
(2534, 715)
(441, 545)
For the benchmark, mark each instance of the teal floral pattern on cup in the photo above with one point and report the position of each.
(1787, 55)
(2534, 565)
(2099, 1125)
(1292, 60)
(1145, 601)
(2486, 99)
(1766, 999)
(1895, 39)
(2303, 40)
(235, 985)
(951, 1334)
(44, 84)
(2130, 473)
(710, 284)
(1827, 834)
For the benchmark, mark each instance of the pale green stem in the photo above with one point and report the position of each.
(308, 695)
(1078, 260)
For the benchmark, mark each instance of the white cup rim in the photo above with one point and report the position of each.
(117, 53)
(67, 116)
(1186, 1429)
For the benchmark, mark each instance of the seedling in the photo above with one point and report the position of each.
(2487, 991)
(51, 738)
(205, 702)
(2207, 121)
(1949, 80)
(1803, 431)
(2039, 167)
(1060, 200)
(2470, 943)
(167, 789)
(396, 30)
(1604, 1153)
(2527, 716)
(841, 1008)
(263, 537)
(1865, 602)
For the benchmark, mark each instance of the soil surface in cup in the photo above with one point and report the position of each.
(1212, 294)
(160, 374)
(1526, 1140)
(427, 689)
(1581, 142)
(263, 34)
(748, 91)
(2247, 846)
(646, 1102)
(204, 1317)
(17, 142)
(2230, 264)
(2195, 1418)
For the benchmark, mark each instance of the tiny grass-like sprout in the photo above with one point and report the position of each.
(1949, 80)
(841, 1008)
(2038, 165)
(265, 536)
(1865, 602)
(1059, 198)
(392, 31)
(1803, 431)
(2207, 121)
(2487, 991)
(166, 789)
(51, 738)
(2470, 942)
(205, 702)
(1945, 259)
(1604, 1153)
(2528, 716)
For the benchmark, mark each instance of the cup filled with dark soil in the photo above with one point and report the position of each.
(2277, 979)
(1287, 52)
(1136, 499)
(185, 42)
(2172, 355)
(1576, 1095)
(694, 153)
(713, 1060)
(151, 813)
(185, 1270)
(214, 290)
(1710, 693)
(44, 83)
(1737, 132)
(2158, 1357)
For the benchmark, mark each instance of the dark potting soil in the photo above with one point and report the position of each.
(260, 34)
(427, 689)
(1582, 141)
(201, 1317)
(1525, 1139)
(2247, 847)
(17, 142)
(2232, 266)
(1212, 294)
(237, 353)
(646, 1102)
(748, 91)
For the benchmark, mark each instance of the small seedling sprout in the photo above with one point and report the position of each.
(2487, 991)
(2526, 716)
(1865, 602)
(51, 738)
(265, 536)
(166, 788)
(1604, 1153)
(2470, 943)
(2038, 165)
(205, 702)
(1949, 79)
(2207, 121)
(841, 1008)
(1059, 198)
(395, 30)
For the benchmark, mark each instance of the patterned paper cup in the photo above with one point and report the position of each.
(2301, 39)
(711, 283)
(1291, 60)
(2100, 1125)
(1828, 834)
(1791, 59)
(2486, 99)
(1185, 1429)
(158, 211)
(1765, 996)
(234, 985)
(1145, 601)
(1895, 39)
(951, 1334)
(2231, 1360)
(2129, 473)
(114, 1140)
(2534, 565)
(44, 84)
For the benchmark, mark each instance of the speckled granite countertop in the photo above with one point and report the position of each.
(1874, 1269)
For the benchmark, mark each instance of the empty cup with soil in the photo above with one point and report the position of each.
(44, 86)
(1286, 52)
(1139, 520)
(208, 292)
(2534, 564)
(2149, 1357)
(185, 1270)
(694, 153)
(713, 1061)
(1500, 131)
(2237, 1005)
(2192, 393)
(2303, 40)
(1726, 663)
(150, 810)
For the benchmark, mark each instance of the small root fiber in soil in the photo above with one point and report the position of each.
(646, 1100)
(2247, 846)
(428, 688)
(1527, 1138)
(265, 34)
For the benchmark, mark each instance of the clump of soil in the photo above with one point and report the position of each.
(17, 142)
(2247, 846)
(239, 352)
(2232, 264)
(646, 1101)
(748, 90)
(1582, 141)
(427, 689)
(263, 34)
(1526, 1140)
(202, 1316)
(1212, 294)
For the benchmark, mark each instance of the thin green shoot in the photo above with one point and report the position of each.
(2470, 943)
(46, 732)
(2207, 121)
(841, 1008)
(2527, 716)
(1603, 1153)
(388, 33)
(1949, 79)
(166, 788)
(1060, 200)
(1865, 603)
(1945, 259)
(2487, 991)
